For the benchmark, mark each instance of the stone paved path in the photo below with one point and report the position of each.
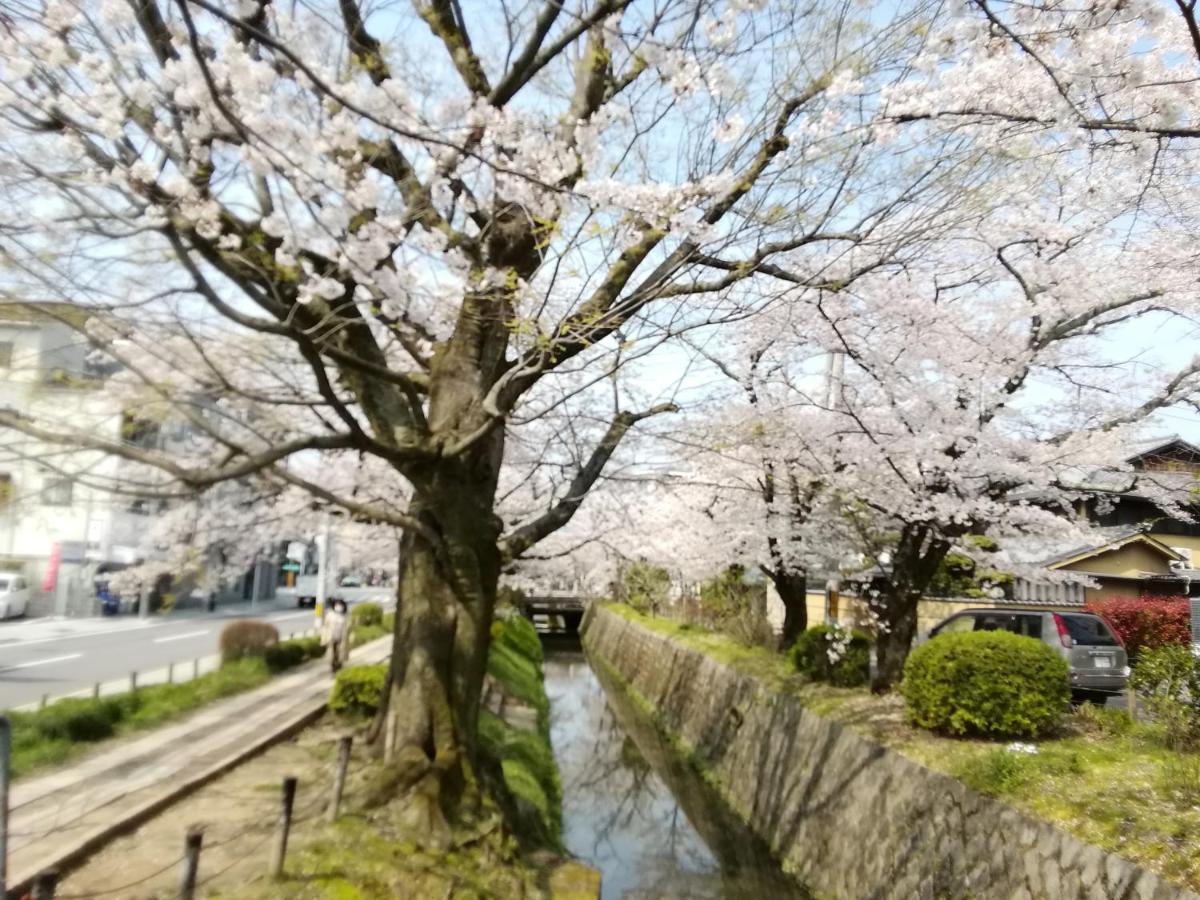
(59, 818)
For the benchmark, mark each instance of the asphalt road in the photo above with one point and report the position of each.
(53, 657)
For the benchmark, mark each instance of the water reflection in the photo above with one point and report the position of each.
(633, 810)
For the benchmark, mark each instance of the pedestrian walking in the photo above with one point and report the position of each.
(335, 634)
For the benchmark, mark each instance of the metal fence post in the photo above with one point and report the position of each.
(132, 682)
(170, 673)
(279, 852)
(191, 863)
(5, 758)
(195, 668)
(96, 691)
(339, 776)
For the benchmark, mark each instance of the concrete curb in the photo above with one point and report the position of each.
(65, 856)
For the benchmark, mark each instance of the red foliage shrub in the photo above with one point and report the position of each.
(1146, 622)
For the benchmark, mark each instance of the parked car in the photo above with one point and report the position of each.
(1096, 658)
(14, 595)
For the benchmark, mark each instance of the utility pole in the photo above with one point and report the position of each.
(323, 561)
(835, 369)
(256, 584)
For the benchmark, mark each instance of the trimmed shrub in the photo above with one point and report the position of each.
(246, 637)
(79, 720)
(834, 654)
(358, 690)
(389, 621)
(1147, 622)
(1168, 678)
(287, 654)
(990, 683)
(366, 614)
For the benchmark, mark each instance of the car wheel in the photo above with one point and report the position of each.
(1098, 698)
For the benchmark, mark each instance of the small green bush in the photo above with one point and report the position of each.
(996, 773)
(358, 690)
(989, 683)
(288, 654)
(1168, 679)
(1102, 720)
(79, 720)
(364, 634)
(833, 654)
(246, 637)
(389, 621)
(365, 614)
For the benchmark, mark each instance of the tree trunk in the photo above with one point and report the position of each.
(445, 602)
(919, 552)
(792, 587)
(897, 615)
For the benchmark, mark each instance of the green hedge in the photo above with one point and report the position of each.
(365, 614)
(851, 667)
(287, 654)
(990, 683)
(358, 690)
(54, 734)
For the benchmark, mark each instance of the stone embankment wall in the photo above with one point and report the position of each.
(850, 818)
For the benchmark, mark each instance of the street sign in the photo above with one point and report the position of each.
(291, 567)
(73, 551)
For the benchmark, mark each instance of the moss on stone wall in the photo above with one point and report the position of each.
(517, 734)
(821, 772)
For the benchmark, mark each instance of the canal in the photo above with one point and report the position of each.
(635, 810)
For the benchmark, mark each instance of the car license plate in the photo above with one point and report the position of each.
(1102, 662)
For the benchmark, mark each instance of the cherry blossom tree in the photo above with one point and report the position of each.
(337, 232)
(978, 385)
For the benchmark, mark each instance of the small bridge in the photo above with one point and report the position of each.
(554, 612)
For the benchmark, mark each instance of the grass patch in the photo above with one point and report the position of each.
(73, 725)
(65, 729)
(1102, 777)
(364, 859)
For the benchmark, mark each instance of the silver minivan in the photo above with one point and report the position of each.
(1097, 660)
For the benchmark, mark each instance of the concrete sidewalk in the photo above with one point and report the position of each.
(59, 818)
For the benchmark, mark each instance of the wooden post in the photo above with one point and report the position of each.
(170, 673)
(1131, 702)
(195, 668)
(44, 884)
(44, 702)
(96, 691)
(5, 765)
(191, 863)
(279, 852)
(132, 682)
(339, 776)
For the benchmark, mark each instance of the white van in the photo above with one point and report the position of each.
(14, 595)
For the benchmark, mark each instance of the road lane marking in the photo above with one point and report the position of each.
(41, 662)
(180, 637)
